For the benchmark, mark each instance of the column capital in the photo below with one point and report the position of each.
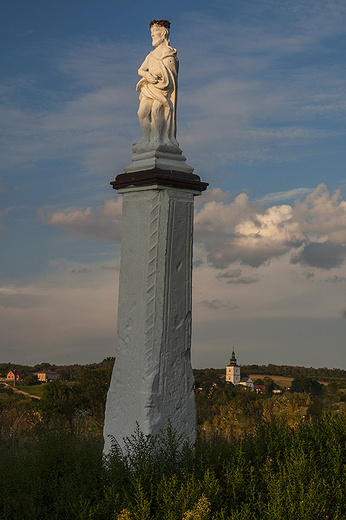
(187, 181)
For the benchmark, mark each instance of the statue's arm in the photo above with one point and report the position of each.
(145, 72)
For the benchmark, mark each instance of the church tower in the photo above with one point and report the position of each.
(233, 371)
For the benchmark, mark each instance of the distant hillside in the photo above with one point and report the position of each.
(70, 372)
(322, 374)
(67, 372)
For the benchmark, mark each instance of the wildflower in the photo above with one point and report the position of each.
(200, 512)
(124, 515)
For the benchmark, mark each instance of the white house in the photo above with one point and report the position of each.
(46, 375)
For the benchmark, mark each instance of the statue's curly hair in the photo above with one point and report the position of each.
(161, 23)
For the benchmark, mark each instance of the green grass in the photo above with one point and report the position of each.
(278, 473)
(32, 389)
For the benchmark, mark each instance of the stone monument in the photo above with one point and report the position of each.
(152, 380)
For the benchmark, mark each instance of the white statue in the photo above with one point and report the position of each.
(158, 94)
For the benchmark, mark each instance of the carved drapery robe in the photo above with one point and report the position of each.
(163, 63)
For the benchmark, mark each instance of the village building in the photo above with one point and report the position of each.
(234, 376)
(16, 375)
(260, 389)
(46, 375)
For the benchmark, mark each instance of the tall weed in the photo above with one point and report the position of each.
(278, 472)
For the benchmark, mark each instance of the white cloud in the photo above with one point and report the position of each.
(324, 214)
(314, 229)
(243, 231)
(102, 224)
(285, 195)
(212, 194)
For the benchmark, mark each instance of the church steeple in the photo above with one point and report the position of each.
(233, 370)
(234, 376)
(233, 361)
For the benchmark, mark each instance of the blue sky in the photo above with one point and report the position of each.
(261, 117)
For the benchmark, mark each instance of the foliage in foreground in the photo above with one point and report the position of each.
(277, 473)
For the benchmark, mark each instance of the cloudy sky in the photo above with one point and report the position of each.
(261, 117)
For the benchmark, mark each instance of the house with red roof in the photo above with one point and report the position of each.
(46, 375)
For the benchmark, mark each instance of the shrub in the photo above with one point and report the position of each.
(277, 472)
(31, 379)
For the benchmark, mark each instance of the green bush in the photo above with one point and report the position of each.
(278, 472)
(302, 383)
(31, 379)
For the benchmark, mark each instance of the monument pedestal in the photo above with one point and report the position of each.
(152, 381)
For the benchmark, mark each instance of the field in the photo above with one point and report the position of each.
(284, 382)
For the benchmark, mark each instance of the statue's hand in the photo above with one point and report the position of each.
(149, 77)
(152, 78)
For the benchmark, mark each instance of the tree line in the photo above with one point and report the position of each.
(66, 372)
(70, 372)
(323, 374)
(293, 371)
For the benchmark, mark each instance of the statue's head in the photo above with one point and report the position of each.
(159, 31)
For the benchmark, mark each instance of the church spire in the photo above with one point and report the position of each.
(233, 360)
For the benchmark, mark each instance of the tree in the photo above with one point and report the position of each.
(42, 366)
(93, 385)
(269, 384)
(31, 379)
(62, 373)
(60, 402)
(302, 383)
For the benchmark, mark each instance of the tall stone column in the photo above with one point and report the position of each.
(152, 381)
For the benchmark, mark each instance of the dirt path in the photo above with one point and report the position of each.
(21, 392)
